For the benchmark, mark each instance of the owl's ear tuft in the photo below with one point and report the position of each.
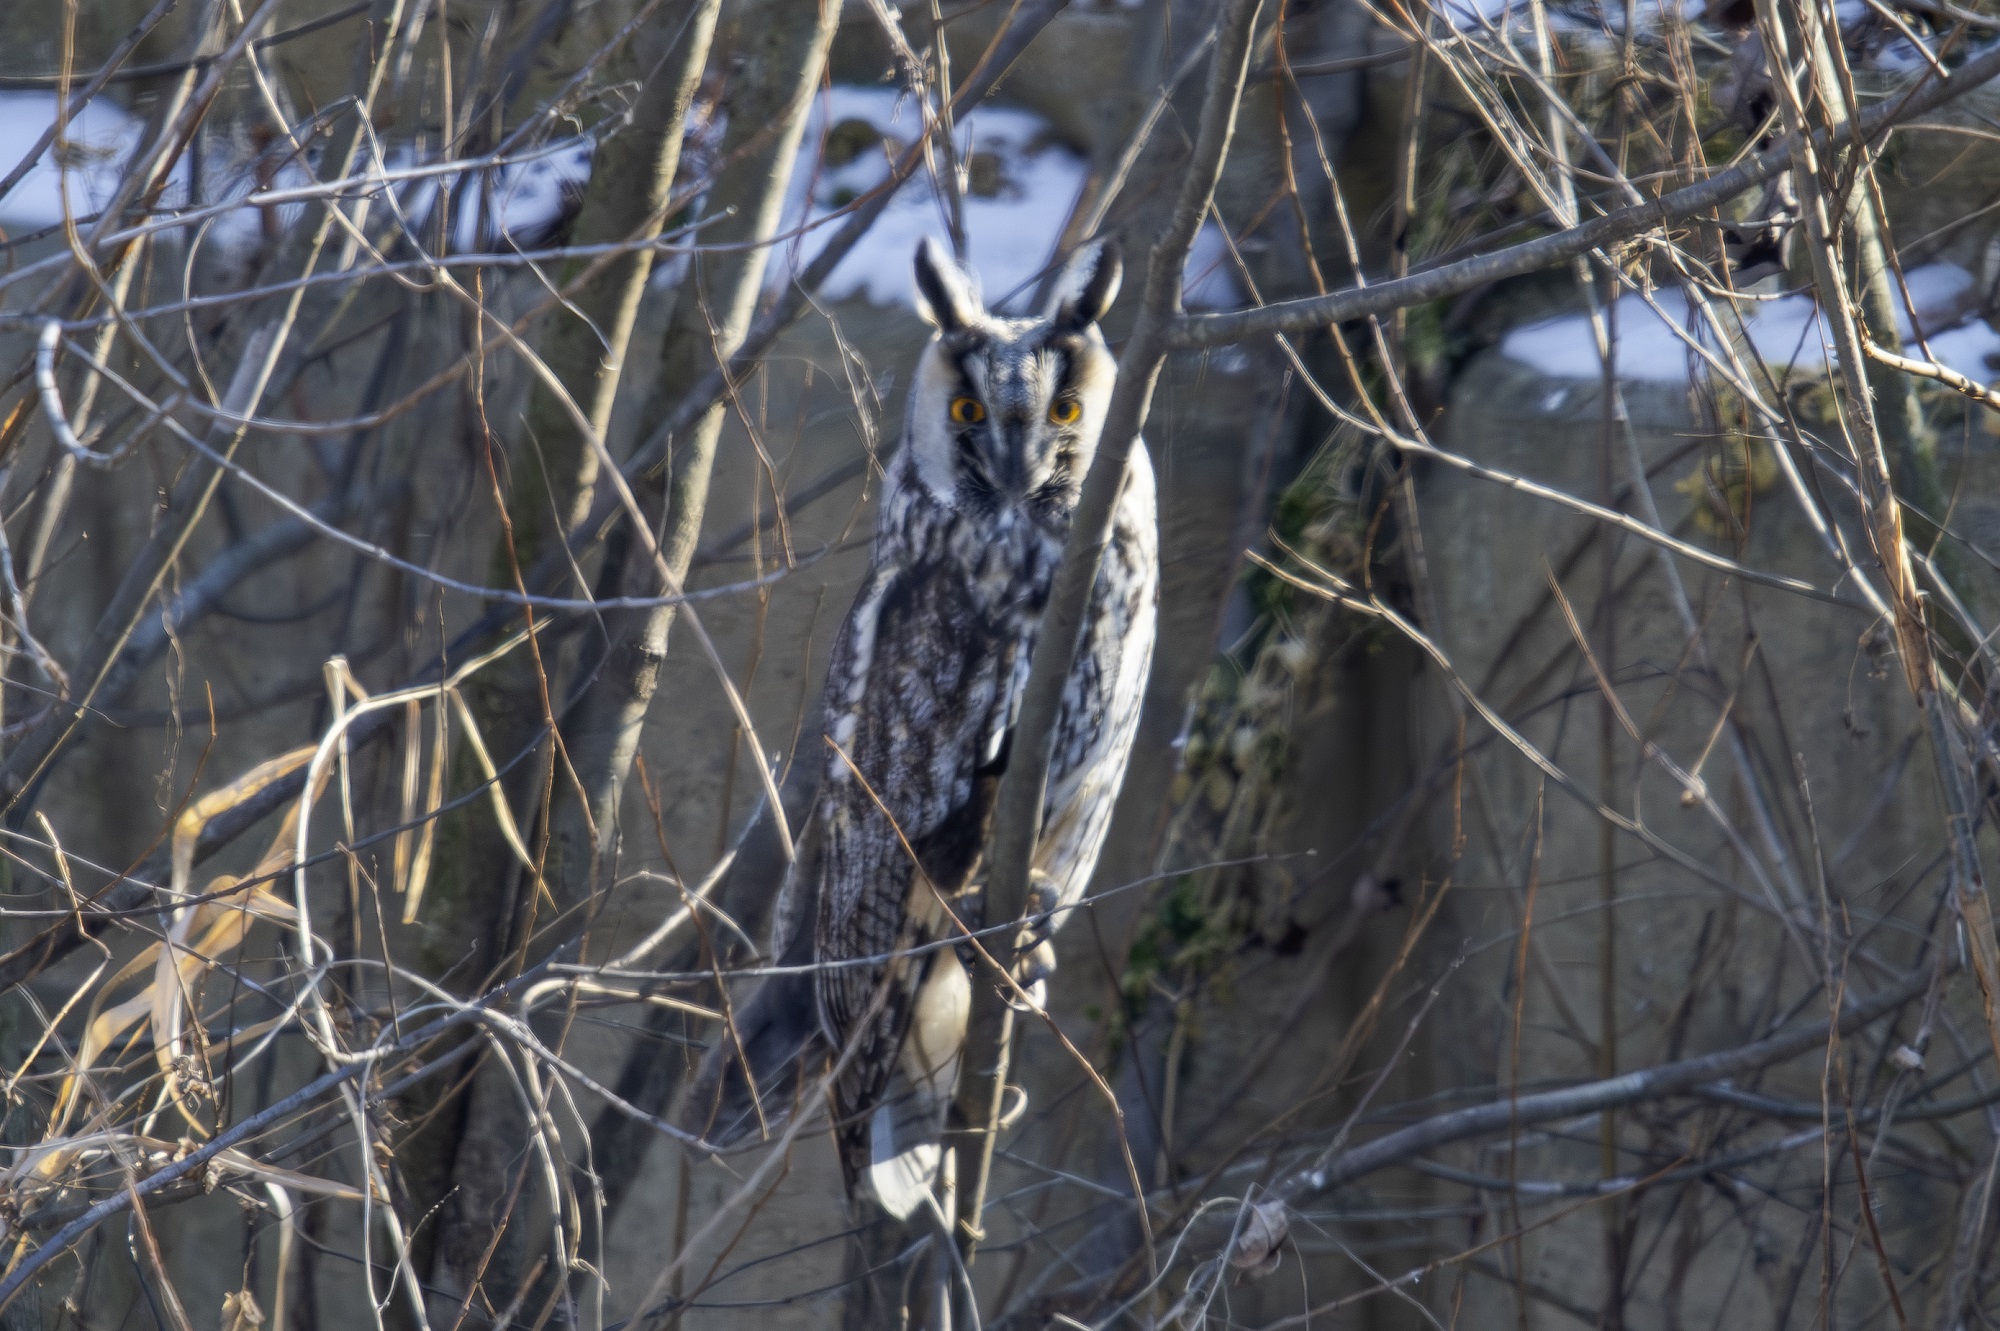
(947, 295)
(1088, 285)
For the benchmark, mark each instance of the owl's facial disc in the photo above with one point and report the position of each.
(1019, 411)
(1006, 412)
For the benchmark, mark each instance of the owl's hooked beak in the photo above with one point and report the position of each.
(1011, 467)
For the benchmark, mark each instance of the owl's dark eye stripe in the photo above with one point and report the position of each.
(961, 360)
(1064, 377)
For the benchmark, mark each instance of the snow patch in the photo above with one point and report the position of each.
(1644, 347)
(514, 205)
(1785, 331)
(526, 199)
(101, 137)
(1020, 190)
(1514, 15)
(1942, 292)
(241, 229)
(102, 140)
(1899, 55)
(1973, 350)
(1210, 281)
(1021, 185)
(1588, 17)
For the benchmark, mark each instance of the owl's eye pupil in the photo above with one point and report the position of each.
(967, 411)
(1064, 411)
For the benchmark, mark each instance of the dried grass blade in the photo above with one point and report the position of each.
(420, 868)
(413, 761)
(501, 812)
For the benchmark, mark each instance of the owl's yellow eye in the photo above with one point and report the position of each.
(1065, 410)
(967, 411)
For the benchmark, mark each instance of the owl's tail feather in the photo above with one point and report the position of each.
(904, 1156)
(907, 1125)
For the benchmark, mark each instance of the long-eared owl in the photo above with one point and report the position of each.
(924, 688)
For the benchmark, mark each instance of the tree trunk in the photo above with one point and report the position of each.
(783, 51)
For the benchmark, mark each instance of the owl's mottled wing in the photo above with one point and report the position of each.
(1101, 699)
(912, 695)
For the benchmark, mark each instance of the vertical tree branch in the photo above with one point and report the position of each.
(1881, 508)
(1017, 820)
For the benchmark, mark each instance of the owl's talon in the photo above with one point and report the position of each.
(1010, 1113)
(1031, 971)
(1036, 999)
(1040, 924)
